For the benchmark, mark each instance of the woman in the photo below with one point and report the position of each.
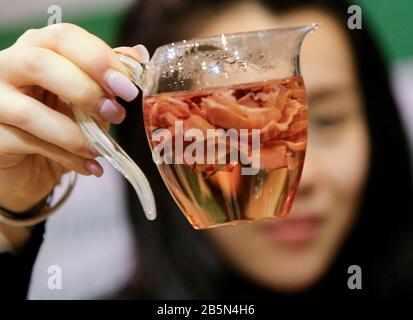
(354, 202)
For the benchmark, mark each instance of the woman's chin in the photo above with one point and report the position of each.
(292, 276)
(293, 283)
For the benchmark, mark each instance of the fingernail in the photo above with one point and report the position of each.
(143, 53)
(93, 151)
(110, 112)
(94, 168)
(121, 85)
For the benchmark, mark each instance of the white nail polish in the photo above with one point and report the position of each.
(143, 52)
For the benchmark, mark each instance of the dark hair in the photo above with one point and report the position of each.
(176, 261)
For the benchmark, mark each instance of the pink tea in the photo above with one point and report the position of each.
(213, 183)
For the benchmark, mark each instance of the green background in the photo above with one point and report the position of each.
(390, 21)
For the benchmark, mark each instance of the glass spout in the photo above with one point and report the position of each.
(304, 30)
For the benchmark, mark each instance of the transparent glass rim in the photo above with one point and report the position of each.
(195, 41)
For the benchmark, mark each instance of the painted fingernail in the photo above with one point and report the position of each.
(121, 85)
(109, 111)
(143, 53)
(94, 168)
(93, 151)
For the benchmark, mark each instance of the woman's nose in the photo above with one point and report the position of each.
(309, 175)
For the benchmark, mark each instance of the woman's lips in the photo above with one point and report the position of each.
(292, 231)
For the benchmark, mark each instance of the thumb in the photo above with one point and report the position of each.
(138, 52)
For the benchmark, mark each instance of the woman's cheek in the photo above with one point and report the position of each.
(345, 163)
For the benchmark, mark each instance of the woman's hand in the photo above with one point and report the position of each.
(43, 76)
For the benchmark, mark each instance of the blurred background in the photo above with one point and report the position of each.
(87, 224)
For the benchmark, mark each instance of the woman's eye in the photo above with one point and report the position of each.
(324, 122)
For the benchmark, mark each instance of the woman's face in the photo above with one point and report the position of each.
(292, 254)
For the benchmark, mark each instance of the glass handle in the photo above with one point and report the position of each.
(108, 147)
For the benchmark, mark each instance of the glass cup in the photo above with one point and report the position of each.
(226, 119)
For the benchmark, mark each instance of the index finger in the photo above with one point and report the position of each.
(90, 53)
